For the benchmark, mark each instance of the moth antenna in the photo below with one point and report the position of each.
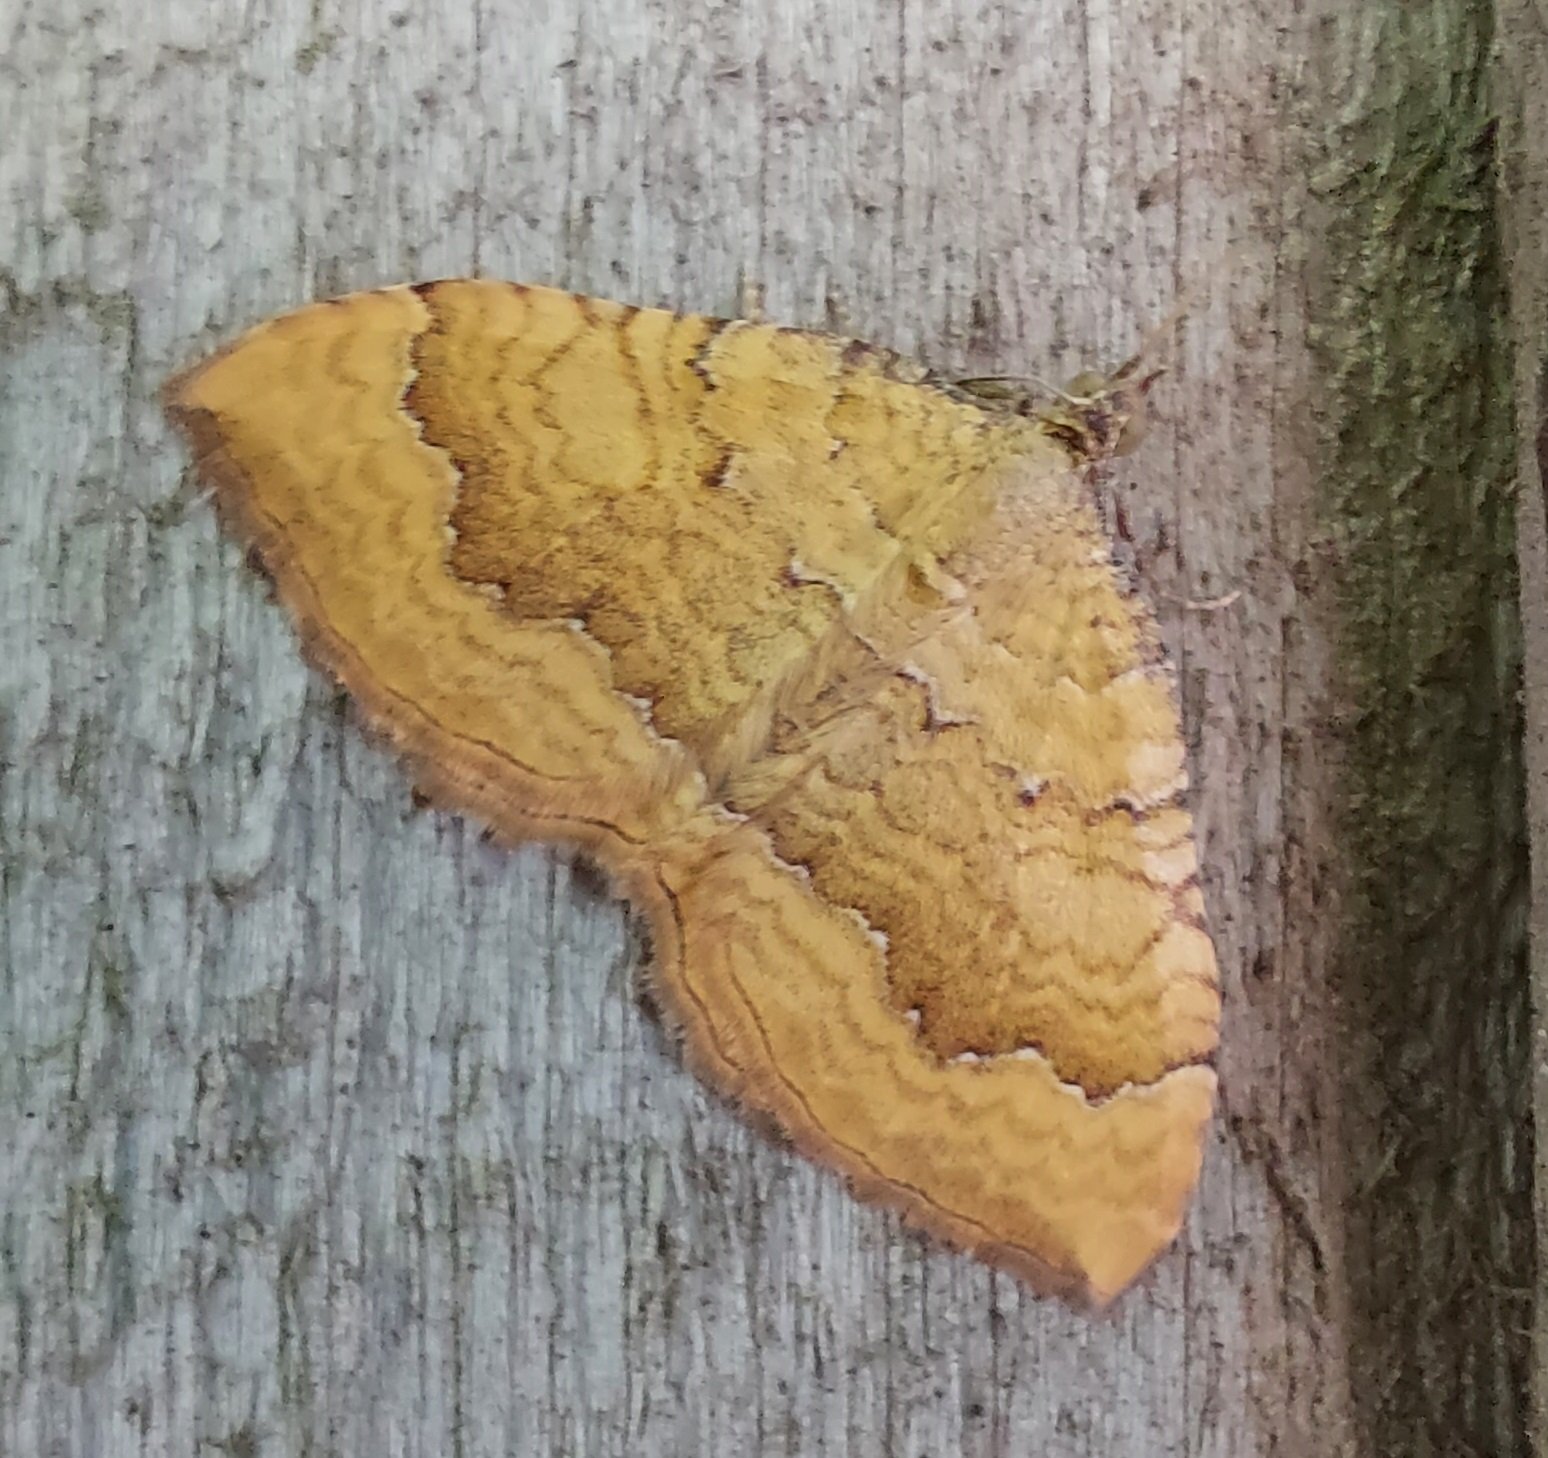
(975, 384)
(1188, 295)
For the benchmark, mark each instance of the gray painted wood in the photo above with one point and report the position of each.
(330, 1128)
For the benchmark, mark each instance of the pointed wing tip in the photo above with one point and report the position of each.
(178, 393)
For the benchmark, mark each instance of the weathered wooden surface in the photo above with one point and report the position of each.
(330, 1129)
(1433, 1081)
(1521, 94)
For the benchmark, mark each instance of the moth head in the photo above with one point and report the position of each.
(1096, 415)
(1110, 410)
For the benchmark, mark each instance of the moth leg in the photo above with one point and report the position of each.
(750, 294)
